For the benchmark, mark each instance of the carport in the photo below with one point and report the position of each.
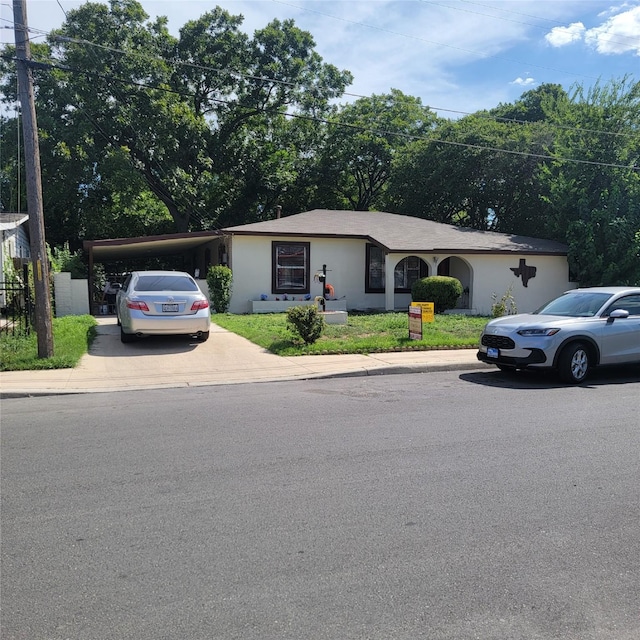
(201, 249)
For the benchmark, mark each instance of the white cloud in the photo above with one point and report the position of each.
(523, 82)
(561, 36)
(619, 34)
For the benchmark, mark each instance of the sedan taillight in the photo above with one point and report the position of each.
(199, 304)
(140, 305)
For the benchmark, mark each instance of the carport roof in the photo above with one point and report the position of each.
(147, 246)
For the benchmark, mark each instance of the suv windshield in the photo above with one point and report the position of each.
(165, 283)
(578, 305)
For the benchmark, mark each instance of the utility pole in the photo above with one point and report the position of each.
(39, 259)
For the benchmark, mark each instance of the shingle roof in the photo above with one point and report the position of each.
(398, 233)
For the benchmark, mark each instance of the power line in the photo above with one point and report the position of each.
(238, 74)
(346, 93)
(381, 133)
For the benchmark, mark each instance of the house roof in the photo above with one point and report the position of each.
(12, 220)
(398, 233)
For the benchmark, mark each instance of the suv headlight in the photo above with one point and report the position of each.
(537, 332)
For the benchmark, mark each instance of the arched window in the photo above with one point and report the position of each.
(407, 271)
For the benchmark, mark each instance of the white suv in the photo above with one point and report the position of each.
(581, 329)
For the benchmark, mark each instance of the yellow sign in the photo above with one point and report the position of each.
(427, 310)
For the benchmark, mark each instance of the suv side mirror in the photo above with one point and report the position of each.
(617, 313)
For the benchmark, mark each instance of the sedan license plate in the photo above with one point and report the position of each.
(170, 308)
(492, 352)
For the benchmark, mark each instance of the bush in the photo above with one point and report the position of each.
(306, 322)
(219, 281)
(63, 259)
(443, 291)
(506, 306)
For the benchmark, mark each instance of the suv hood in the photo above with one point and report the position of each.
(513, 323)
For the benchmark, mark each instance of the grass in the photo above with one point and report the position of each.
(364, 333)
(72, 336)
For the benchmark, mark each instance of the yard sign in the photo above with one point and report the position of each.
(415, 323)
(427, 310)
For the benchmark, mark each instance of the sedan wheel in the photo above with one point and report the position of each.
(126, 337)
(573, 364)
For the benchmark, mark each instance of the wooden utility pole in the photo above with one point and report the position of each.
(39, 259)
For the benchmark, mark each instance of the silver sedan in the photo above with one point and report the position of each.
(162, 303)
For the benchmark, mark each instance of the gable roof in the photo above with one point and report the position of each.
(398, 233)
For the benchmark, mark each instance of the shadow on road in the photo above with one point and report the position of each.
(549, 380)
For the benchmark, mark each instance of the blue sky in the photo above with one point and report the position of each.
(456, 55)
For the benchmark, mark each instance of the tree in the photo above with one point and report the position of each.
(181, 111)
(474, 172)
(595, 203)
(361, 142)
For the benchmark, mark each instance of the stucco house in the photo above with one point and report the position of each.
(373, 257)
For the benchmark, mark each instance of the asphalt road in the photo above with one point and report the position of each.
(444, 505)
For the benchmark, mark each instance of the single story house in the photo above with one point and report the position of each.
(371, 259)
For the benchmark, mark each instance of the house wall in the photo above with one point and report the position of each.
(251, 265)
(13, 244)
(492, 275)
(484, 275)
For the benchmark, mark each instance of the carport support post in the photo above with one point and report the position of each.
(90, 280)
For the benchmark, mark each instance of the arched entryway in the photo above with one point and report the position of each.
(460, 269)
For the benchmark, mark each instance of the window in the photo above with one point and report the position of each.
(375, 269)
(407, 271)
(290, 267)
(629, 303)
(405, 274)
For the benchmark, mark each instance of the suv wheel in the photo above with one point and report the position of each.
(573, 363)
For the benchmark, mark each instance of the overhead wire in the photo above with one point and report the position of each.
(366, 129)
(199, 219)
(484, 115)
(346, 93)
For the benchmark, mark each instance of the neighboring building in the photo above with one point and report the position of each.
(372, 258)
(14, 242)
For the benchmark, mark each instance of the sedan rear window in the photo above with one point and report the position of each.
(165, 283)
(575, 305)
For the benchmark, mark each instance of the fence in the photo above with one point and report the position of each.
(16, 308)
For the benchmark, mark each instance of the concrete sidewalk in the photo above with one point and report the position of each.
(226, 358)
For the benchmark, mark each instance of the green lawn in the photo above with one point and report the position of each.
(364, 333)
(72, 336)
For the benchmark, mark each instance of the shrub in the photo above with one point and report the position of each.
(443, 291)
(306, 322)
(219, 281)
(63, 259)
(506, 306)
